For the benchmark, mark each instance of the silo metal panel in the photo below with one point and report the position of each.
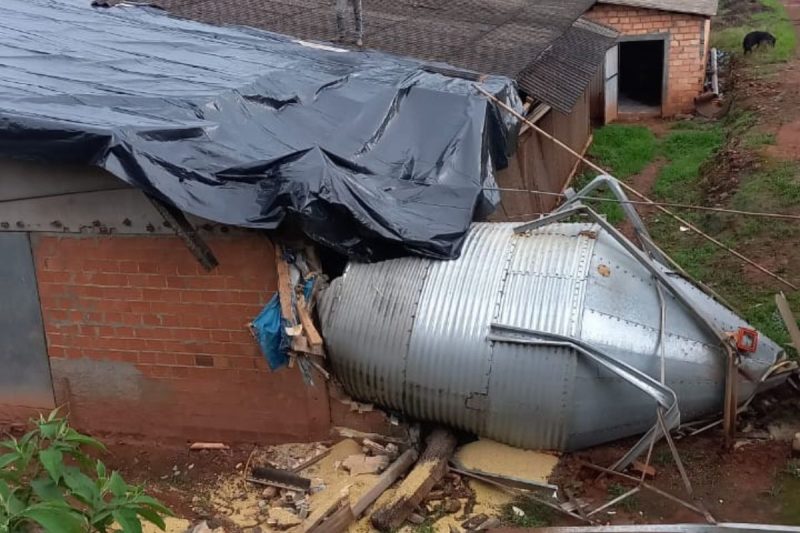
(368, 326)
(24, 365)
(449, 356)
(530, 395)
(544, 291)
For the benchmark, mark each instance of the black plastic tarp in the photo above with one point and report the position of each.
(371, 154)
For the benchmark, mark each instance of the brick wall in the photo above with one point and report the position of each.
(687, 47)
(143, 341)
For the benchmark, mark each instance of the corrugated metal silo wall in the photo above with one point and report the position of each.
(411, 334)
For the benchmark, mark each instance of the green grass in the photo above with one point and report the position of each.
(535, 513)
(685, 150)
(623, 149)
(630, 504)
(776, 184)
(773, 19)
(756, 139)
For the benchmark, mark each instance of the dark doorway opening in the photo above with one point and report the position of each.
(641, 75)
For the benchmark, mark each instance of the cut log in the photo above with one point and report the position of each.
(427, 472)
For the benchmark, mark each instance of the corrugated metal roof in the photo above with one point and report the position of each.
(504, 37)
(697, 7)
(561, 73)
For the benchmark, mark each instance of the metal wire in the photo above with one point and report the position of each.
(783, 216)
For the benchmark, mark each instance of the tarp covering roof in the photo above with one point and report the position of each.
(371, 154)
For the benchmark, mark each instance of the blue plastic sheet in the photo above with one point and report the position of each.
(272, 338)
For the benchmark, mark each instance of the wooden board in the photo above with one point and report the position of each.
(284, 286)
(310, 330)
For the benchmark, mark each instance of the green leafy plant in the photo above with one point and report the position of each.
(47, 480)
(793, 468)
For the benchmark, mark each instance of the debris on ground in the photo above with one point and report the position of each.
(497, 460)
(428, 472)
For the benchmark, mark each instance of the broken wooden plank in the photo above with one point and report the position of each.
(284, 286)
(316, 518)
(472, 523)
(374, 447)
(336, 522)
(360, 435)
(389, 476)
(208, 446)
(285, 479)
(648, 470)
(311, 332)
(312, 460)
(426, 473)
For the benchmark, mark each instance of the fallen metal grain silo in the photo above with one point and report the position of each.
(547, 338)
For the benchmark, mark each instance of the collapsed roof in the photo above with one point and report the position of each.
(369, 153)
(513, 38)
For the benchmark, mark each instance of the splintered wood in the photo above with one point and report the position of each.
(306, 340)
(430, 468)
(284, 286)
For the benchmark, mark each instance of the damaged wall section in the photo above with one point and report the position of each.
(142, 340)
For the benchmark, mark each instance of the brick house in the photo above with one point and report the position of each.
(658, 67)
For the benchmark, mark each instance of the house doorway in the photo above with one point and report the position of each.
(642, 74)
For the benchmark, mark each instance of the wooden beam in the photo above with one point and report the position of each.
(316, 518)
(348, 433)
(337, 522)
(788, 319)
(309, 329)
(284, 285)
(428, 471)
(577, 164)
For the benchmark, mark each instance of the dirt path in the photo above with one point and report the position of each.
(786, 111)
(643, 182)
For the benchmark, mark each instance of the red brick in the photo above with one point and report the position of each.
(147, 358)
